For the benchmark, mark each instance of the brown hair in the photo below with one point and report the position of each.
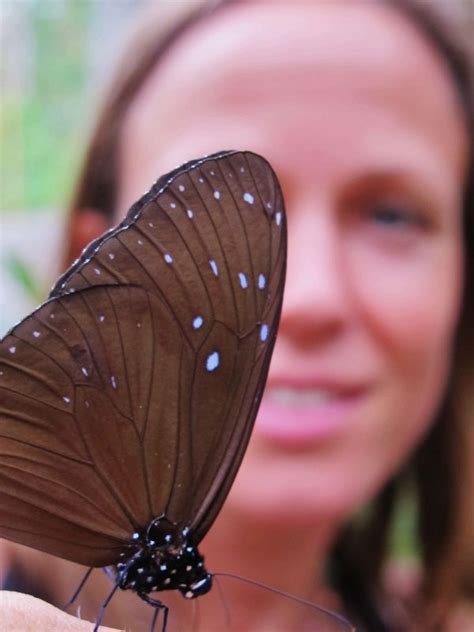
(441, 472)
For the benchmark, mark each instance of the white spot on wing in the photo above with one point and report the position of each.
(101, 318)
(197, 322)
(173, 205)
(190, 213)
(84, 370)
(214, 268)
(201, 180)
(181, 187)
(66, 400)
(113, 381)
(262, 281)
(248, 197)
(263, 332)
(12, 349)
(111, 256)
(36, 334)
(139, 242)
(96, 270)
(243, 281)
(212, 361)
(278, 218)
(168, 258)
(217, 195)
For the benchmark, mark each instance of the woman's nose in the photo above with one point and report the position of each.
(317, 294)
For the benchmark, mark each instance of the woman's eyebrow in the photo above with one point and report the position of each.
(416, 182)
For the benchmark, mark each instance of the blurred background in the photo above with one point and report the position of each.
(55, 55)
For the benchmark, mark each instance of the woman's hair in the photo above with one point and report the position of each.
(440, 474)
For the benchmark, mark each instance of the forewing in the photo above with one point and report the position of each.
(209, 240)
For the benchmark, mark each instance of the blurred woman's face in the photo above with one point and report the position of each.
(358, 116)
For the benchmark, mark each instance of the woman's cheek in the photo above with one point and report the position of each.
(409, 297)
(409, 305)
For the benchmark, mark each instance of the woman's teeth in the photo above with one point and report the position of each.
(300, 397)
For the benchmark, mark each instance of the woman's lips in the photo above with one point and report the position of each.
(296, 415)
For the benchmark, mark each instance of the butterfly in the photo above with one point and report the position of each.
(128, 398)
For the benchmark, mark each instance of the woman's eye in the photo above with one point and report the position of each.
(394, 216)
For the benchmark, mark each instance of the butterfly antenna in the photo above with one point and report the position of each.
(103, 608)
(165, 618)
(223, 601)
(78, 589)
(288, 595)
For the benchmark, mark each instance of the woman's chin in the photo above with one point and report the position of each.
(280, 499)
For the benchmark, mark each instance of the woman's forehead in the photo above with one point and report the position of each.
(322, 56)
(299, 40)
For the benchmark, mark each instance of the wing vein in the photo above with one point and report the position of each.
(157, 287)
(178, 439)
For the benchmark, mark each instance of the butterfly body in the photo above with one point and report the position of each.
(164, 559)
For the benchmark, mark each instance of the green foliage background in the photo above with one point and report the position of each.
(41, 130)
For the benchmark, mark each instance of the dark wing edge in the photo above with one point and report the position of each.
(160, 186)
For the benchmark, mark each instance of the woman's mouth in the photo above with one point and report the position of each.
(294, 415)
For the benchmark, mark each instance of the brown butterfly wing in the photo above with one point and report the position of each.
(163, 380)
(189, 240)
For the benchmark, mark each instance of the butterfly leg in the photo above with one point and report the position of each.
(159, 606)
(78, 589)
(155, 618)
(103, 608)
